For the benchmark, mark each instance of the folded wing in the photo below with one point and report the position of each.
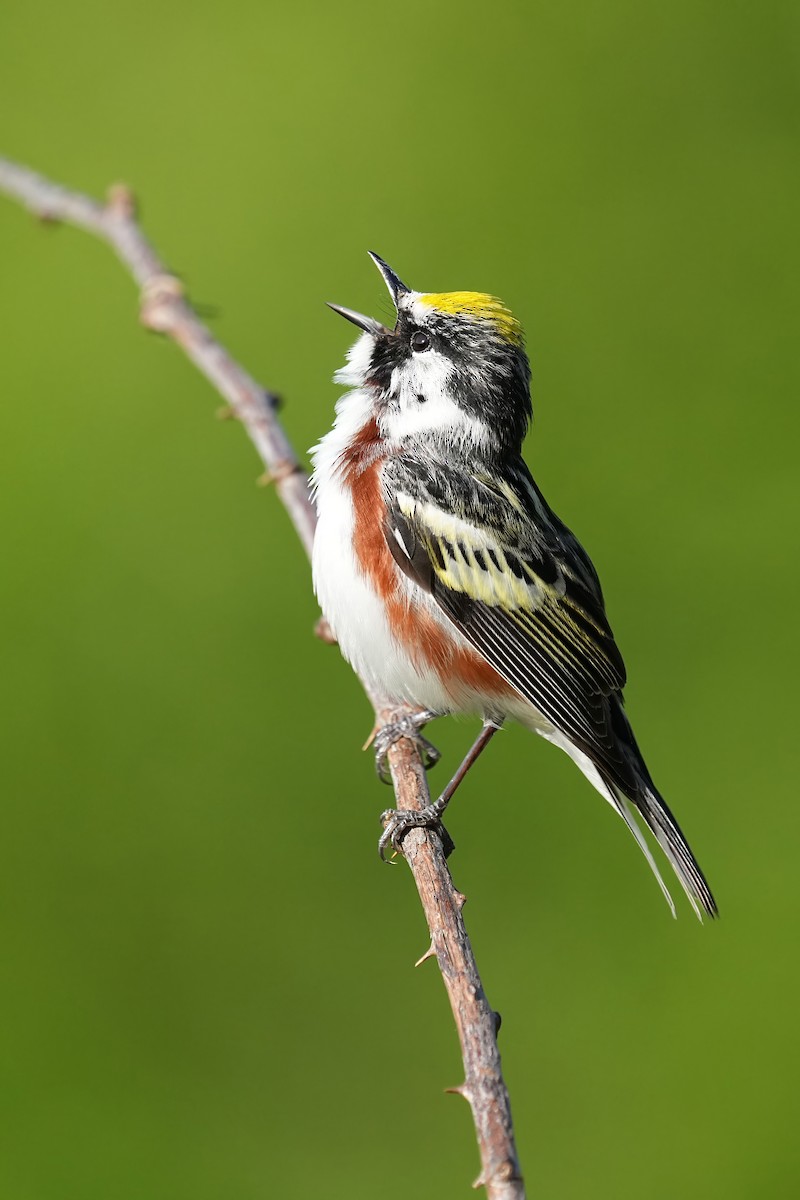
(521, 601)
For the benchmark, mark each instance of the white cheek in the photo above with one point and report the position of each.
(413, 417)
(427, 375)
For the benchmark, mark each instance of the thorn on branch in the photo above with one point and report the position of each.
(505, 1173)
(460, 900)
(429, 953)
(277, 474)
(121, 201)
(462, 1090)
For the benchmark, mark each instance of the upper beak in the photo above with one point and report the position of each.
(396, 287)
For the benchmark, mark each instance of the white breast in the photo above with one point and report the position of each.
(353, 610)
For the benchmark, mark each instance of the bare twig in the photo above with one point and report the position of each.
(165, 309)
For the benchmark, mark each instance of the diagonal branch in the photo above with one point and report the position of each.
(165, 309)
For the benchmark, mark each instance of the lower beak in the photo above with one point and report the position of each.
(368, 324)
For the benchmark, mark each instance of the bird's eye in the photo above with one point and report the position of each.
(420, 340)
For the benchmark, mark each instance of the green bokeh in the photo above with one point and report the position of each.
(206, 974)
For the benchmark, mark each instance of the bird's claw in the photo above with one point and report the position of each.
(407, 726)
(398, 821)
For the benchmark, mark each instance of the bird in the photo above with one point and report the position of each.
(448, 581)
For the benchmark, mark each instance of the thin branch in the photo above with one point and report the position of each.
(165, 309)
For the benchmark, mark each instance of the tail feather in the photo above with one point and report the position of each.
(640, 798)
(626, 811)
(667, 833)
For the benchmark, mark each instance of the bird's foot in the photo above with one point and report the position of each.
(398, 821)
(407, 726)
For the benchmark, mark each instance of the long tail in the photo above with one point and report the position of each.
(640, 798)
(668, 834)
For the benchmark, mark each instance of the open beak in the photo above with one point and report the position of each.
(395, 285)
(368, 324)
(397, 289)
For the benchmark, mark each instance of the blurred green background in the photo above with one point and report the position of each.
(206, 984)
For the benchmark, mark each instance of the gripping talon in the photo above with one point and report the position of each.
(406, 727)
(398, 821)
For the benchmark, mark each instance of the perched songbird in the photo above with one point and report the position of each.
(447, 579)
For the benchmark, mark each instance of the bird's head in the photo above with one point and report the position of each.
(453, 368)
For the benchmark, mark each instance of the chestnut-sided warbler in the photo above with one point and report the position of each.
(448, 581)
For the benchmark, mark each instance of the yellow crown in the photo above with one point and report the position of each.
(479, 307)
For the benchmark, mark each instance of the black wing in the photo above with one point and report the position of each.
(509, 577)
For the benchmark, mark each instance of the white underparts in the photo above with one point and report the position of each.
(354, 611)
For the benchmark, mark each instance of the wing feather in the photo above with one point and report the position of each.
(516, 596)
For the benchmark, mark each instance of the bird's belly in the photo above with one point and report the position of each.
(358, 616)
